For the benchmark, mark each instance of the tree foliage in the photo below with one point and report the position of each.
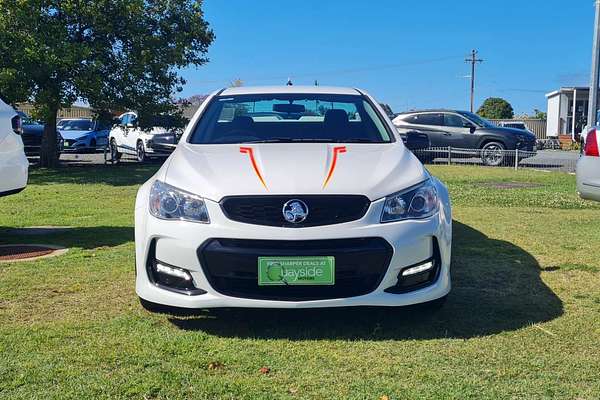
(114, 54)
(496, 108)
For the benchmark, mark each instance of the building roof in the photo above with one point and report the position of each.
(288, 89)
(567, 89)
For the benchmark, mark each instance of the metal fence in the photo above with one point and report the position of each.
(543, 160)
(70, 112)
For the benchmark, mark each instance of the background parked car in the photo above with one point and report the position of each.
(84, 134)
(465, 130)
(63, 122)
(126, 137)
(588, 167)
(13, 163)
(32, 136)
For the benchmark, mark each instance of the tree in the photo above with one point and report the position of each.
(114, 54)
(196, 99)
(496, 108)
(538, 114)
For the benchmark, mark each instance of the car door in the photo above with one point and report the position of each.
(118, 131)
(432, 124)
(461, 131)
(133, 132)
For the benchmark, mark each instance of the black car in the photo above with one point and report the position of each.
(465, 130)
(32, 136)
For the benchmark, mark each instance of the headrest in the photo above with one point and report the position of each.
(242, 122)
(336, 117)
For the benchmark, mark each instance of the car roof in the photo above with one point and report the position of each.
(289, 89)
(431, 110)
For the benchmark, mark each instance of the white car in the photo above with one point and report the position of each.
(588, 167)
(127, 137)
(315, 203)
(14, 166)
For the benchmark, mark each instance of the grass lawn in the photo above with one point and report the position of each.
(522, 321)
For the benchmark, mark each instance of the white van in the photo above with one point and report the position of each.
(13, 163)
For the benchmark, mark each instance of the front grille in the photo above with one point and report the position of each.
(322, 210)
(231, 266)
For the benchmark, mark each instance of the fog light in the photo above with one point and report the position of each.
(173, 278)
(176, 272)
(418, 269)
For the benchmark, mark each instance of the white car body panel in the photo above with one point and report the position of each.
(588, 176)
(217, 171)
(14, 166)
(298, 168)
(127, 138)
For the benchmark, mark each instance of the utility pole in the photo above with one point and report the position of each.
(474, 60)
(593, 102)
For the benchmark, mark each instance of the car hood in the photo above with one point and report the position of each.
(72, 135)
(217, 171)
(33, 130)
(511, 131)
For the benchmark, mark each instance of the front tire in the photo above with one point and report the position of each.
(140, 152)
(492, 154)
(115, 155)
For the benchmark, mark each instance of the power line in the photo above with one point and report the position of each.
(340, 71)
(473, 60)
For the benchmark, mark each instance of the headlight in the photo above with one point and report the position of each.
(168, 202)
(419, 201)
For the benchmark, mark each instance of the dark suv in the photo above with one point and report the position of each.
(465, 130)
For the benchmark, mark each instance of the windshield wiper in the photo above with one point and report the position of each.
(356, 140)
(291, 140)
(310, 140)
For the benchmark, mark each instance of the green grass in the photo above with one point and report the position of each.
(522, 321)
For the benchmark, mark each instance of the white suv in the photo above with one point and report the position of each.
(126, 137)
(13, 163)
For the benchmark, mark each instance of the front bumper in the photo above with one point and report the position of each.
(180, 244)
(588, 177)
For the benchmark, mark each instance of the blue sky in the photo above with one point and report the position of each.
(409, 54)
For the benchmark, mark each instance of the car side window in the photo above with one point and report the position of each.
(454, 121)
(125, 119)
(426, 119)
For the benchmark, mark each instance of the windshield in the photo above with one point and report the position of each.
(78, 125)
(482, 122)
(275, 118)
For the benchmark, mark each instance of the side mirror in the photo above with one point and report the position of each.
(472, 128)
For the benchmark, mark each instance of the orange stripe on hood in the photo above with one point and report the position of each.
(250, 152)
(336, 150)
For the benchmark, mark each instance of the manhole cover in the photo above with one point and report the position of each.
(26, 252)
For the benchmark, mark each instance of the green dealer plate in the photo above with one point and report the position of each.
(280, 271)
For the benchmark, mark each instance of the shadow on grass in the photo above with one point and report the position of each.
(81, 237)
(496, 288)
(126, 174)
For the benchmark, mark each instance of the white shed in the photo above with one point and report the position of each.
(562, 108)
